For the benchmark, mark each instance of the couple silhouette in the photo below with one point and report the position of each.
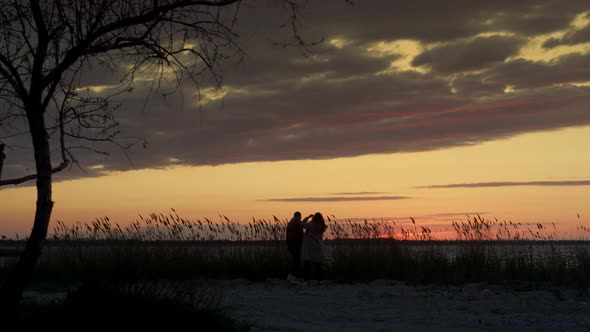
(305, 243)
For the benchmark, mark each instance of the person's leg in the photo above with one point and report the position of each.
(306, 268)
(313, 271)
(297, 263)
(294, 262)
(319, 271)
(316, 271)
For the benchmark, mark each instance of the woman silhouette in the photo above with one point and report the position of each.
(312, 249)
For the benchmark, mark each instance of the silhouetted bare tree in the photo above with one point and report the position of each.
(2, 156)
(44, 48)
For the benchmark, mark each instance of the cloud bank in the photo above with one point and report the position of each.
(390, 77)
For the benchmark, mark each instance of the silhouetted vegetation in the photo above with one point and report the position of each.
(161, 246)
(130, 307)
(173, 227)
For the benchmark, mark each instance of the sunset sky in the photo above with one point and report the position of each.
(430, 109)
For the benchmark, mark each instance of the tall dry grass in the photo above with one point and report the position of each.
(168, 246)
(173, 227)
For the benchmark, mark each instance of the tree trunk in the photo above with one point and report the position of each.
(13, 287)
(2, 156)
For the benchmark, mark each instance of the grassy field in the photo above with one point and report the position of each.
(170, 247)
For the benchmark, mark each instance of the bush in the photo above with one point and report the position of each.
(95, 307)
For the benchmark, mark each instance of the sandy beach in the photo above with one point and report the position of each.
(276, 305)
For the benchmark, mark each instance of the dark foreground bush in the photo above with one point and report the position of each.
(97, 308)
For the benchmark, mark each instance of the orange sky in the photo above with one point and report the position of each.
(242, 191)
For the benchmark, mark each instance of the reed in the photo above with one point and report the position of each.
(168, 246)
(173, 227)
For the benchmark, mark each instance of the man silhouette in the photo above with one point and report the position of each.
(294, 239)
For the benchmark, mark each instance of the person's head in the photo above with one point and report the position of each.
(317, 217)
(297, 214)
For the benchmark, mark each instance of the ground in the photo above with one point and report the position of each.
(393, 306)
(275, 305)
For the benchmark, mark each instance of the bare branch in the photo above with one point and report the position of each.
(125, 23)
(23, 179)
(41, 51)
(10, 73)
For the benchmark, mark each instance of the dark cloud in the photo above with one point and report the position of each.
(280, 65)
(534, 17)
(337, 199)
(510, 184)
(360, 193)
(473, 85)
(433, 20)
(467, 55)
(571, 38)
(302, 123)
(343, 100)
(453, 214)
(525, 74)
